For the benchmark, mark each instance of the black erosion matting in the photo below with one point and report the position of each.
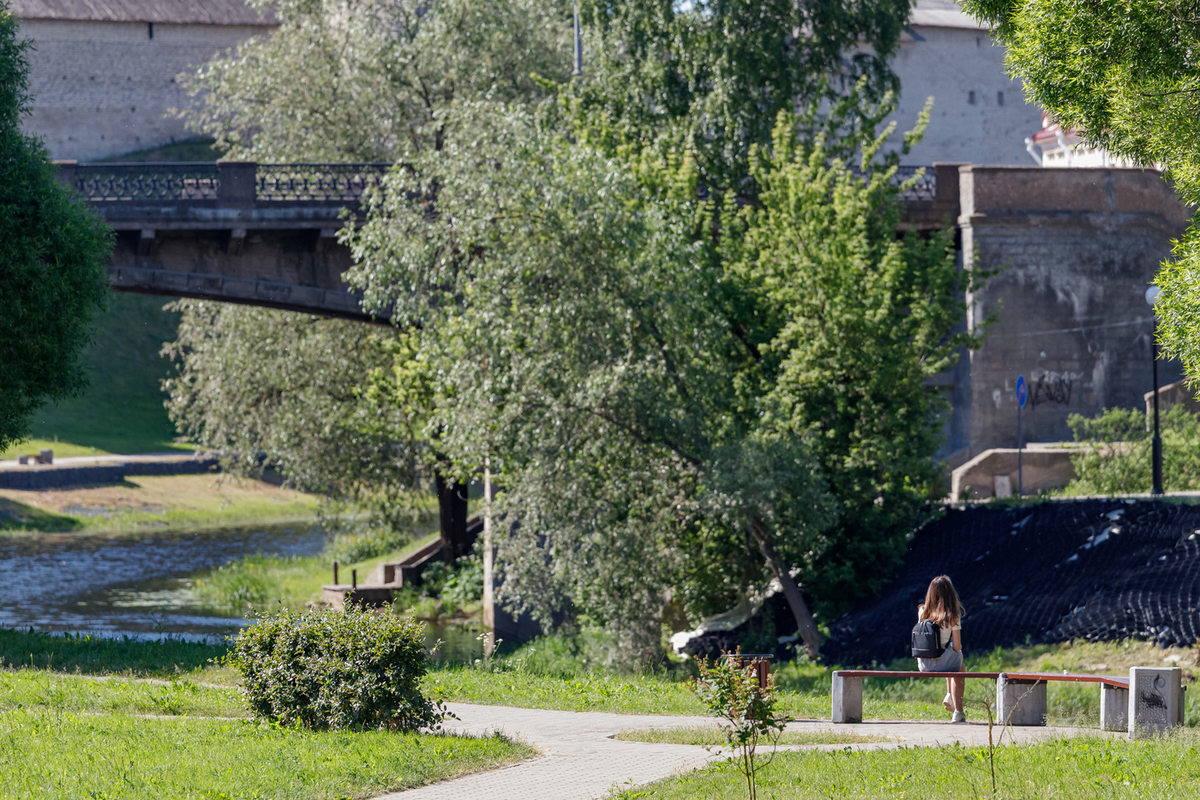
(1089, 569)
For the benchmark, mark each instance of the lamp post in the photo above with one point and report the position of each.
(578, 73)
(1156, 442)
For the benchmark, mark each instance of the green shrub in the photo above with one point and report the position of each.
(1118, 458)
(459, 584)
(333, 669)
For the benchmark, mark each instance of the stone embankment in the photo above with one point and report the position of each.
(82, 470)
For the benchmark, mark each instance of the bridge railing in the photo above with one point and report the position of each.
(247, 181)
(238, 181)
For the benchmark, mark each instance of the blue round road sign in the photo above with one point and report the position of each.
(1022, 392)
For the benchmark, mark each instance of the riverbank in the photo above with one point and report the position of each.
(153, 501)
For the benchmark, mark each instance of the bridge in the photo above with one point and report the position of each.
(265, 234)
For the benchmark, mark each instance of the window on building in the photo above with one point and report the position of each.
(999, 98)
(971, 97)
(150, 29)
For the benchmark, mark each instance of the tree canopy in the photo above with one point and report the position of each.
(52, 257)
(1126, 76)
(342, 80)
(666, 302)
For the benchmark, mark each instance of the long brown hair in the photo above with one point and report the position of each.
(941, 603)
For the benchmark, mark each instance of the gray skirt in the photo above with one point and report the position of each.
(949, 661)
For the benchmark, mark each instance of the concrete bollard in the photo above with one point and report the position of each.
(847, 698)
(1155, 700)
(1020, 702)
(1114, 708)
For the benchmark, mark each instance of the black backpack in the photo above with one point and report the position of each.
(927, 640)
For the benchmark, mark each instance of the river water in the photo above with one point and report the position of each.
(136, 585)
(139, 585)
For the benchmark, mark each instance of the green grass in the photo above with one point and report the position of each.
(44, 754)
(73, 736)
(501, 684)
(709, 735)
(155, 501)
(94, 655)
(267, 581)
(198, 149)
(121, 411)
(62, 694)
(531, 678)
(1064, 769)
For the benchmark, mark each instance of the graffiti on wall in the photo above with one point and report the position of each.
(1052, 387)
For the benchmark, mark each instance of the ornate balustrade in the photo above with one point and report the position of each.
(223, 181)
(247, 181)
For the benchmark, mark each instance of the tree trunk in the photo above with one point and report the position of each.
(804, 621)
(452, 513)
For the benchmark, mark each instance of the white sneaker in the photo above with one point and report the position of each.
(948, 702)
(959, 717)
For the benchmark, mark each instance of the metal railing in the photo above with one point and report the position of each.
(155, 182)
(316, 182)
(282, 183)
(925, 187)
(237, 180)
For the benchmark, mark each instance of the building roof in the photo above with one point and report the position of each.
(943, 14)
(195, 12)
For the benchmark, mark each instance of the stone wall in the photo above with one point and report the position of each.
(105, 88)
(1074, 250)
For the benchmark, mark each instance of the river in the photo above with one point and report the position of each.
(130, 584)
(139, 584)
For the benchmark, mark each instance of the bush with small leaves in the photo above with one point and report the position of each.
(333, 669)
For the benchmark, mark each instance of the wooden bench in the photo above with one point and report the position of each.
(1021, 696)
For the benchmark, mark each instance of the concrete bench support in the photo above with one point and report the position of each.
(847, 698)
(1155, 700)
(1020, 702)
(1114, 708)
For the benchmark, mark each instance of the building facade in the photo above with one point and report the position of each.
(979, 113)
(103, 73)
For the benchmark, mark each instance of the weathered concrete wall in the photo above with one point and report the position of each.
(1075, 250)
(1040, 469)
(105, 88)
(979, 113)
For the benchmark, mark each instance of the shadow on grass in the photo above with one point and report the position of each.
(103, 656)
(15, 516)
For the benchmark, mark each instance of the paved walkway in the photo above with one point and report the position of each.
(580, 761)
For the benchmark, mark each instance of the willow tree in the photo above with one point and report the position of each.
(52, 257)
(343, 81)
(585, 339)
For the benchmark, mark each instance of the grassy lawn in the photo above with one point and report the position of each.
(46, 754)
(1064, 769)
(93, 655)
(72, 735)
(709, 735)
(153, 501)
(804, 689)
(68, 694)
(121, 411)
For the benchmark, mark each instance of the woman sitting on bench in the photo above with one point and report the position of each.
(942, 607)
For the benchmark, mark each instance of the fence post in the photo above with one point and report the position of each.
(238, 181)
